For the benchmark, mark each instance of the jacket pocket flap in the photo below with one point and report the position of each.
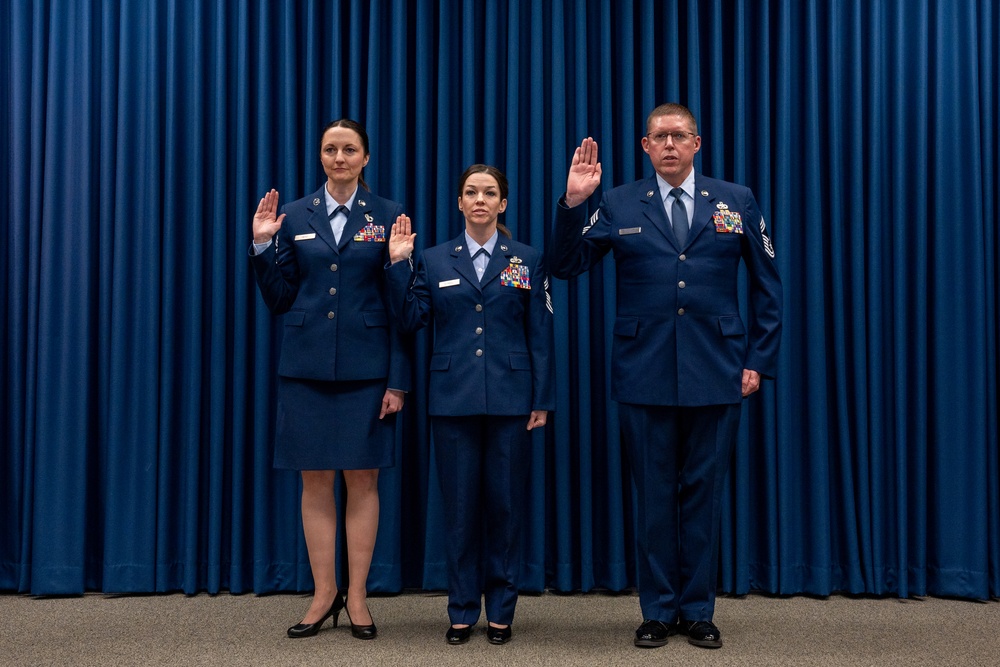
(627, 326)
(376, 318)
(440, 362)
(731, 326)
(295, 318)
(520, 361)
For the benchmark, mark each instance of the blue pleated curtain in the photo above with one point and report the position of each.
(139, 362)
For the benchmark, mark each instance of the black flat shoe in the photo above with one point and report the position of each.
(456, 636)
(310, 629)
(497, 635)
(652, 634)
(361, 631)
(702, 633)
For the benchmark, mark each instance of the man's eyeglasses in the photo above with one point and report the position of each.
(678, 137)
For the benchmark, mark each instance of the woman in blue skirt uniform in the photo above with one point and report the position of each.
(343, 370)
(491, 383)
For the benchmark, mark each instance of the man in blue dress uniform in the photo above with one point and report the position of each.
(682, 358)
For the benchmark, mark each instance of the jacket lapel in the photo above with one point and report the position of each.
(499, 261)
(319, 219)
(462, 261)
(704, 207)
(653, 209)
(360, 216)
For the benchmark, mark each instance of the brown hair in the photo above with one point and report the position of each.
(501, 181)
(672, 109)
(360, 131)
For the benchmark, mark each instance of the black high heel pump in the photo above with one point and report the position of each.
(362, 631)
(309, 629)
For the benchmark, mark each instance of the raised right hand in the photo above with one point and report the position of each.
(401, 240)
(266, 221)
(584, 173)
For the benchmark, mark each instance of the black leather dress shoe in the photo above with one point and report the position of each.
(497, 635)
(364, 631)
(652, 634)
(310, 629)
(361, 631)
(702, 633)
(456, 636)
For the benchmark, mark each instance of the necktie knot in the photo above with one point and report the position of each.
(340, 209)
(481, 251)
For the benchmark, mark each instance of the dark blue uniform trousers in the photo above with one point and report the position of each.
(678, 457)
(481, 466)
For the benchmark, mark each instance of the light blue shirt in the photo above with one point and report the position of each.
(339, 220)
(687, 198)
(483, 260)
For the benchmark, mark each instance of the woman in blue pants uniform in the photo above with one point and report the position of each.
(343, 370)
(491, 383)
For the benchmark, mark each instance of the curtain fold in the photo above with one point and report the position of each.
(138, 363)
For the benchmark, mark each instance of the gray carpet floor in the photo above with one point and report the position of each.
(549, 629)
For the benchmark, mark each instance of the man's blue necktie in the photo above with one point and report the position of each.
(679, 217)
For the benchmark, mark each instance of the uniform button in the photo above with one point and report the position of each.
(330, 315)
(333, 267)
(479, 330)
(681, 284)
(479, 353)
(680, 311)
(333, 290)
(479, 307)
(683, 258)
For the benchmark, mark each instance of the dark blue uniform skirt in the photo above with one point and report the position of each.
(333, 426)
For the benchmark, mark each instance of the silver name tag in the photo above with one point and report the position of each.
(449, 283)
(305, 237)
(629, 230)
